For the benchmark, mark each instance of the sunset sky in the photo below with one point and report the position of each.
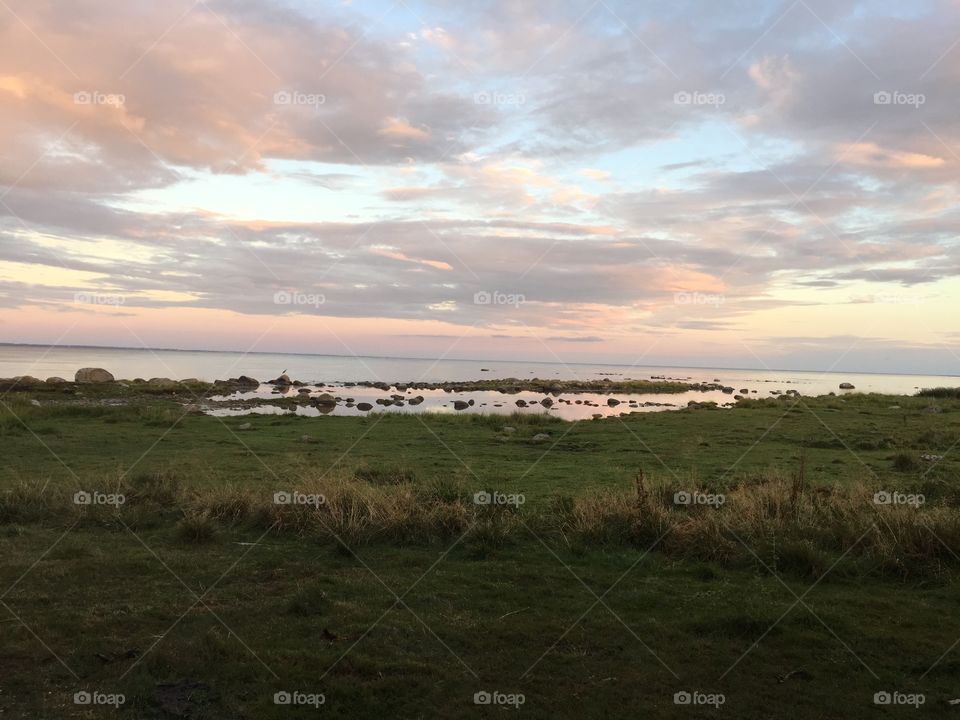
(755, 183)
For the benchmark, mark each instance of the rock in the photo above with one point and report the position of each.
(508, 430)
(364, 407)
(540, 437)
(612, 402)
(846, 386)
(598, 416)
(307, 439)
(521, 403)
(744, 391)
(931, 458)
(56, 380)
(282, 380)
(546, 402)
(164, 384)
(470, 402)
(35, 403)
(190, 381)
(325, 399)
(248, 381)
(245, 426)
(932, 410)
(460, 405)
(416, 400)
(728, 390)
(304, 391)
(27, 380)
(93, 375)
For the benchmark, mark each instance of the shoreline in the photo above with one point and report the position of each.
(567, 400)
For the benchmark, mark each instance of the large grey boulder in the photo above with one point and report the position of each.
(93, 375)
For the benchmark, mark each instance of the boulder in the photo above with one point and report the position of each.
(282, 380)
(416, 400)
(248, 381)
(612, 402)
(847, 386)
(540, 437)
(164, 384)
(460, 405)
(27, 380)
(93, 375)
(56, 380)
(521, 403)
(364, 406)
(546, 402)
(325, 399)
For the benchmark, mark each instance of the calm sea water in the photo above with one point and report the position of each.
(329, 371)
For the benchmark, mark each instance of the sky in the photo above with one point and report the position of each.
(752, 183)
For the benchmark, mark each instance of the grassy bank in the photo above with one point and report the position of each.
(742, 553)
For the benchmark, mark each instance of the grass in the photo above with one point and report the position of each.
(389, 590)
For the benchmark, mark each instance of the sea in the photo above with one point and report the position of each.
(328, 373)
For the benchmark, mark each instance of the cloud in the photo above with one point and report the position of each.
(748, 153)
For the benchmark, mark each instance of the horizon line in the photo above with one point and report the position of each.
(479, 360)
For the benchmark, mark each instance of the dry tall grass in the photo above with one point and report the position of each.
(776, 523)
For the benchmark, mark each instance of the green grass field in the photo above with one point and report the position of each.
(400, 597)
